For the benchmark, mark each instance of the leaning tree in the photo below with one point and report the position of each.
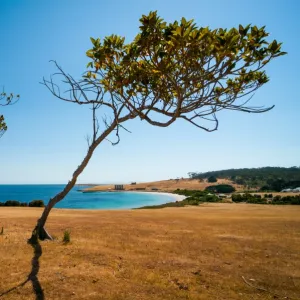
(6, 99)
(168, 72)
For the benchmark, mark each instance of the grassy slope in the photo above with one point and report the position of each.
(168, 185)
(181, 253)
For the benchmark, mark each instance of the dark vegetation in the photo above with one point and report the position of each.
(194, 197)
(34, 203)
(263, 179)
(67, 236)
(266, 199)
(221, 188)
(212, 179)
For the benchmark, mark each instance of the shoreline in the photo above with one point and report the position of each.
(173, 198)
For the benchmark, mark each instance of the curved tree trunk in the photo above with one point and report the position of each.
(39, 231)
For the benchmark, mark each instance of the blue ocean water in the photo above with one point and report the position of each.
(79, 200)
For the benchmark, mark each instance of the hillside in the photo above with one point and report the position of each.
(167, 185)
(266, 178)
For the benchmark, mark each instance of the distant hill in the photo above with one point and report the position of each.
(165, 185)
(266, 178)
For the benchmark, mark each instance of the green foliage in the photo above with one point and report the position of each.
(212, 179)
(169, 204)
(257, 199)
(221, 188)
(265, 179)
(36, 203)
(6, 99)
(67, 236)
(176, 63)
(194, 197)
(238, 198)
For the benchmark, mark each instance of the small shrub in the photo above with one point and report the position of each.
(36, 203)
(67, 236)
(237, 198)
(212, 179)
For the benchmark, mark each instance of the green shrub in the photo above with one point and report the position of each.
(256, 200)
(67, 236)
(37, 203)
(212, 179)
(237, 198)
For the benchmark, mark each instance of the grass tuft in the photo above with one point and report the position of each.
(67, 236)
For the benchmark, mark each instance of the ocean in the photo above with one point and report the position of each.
(79, 200)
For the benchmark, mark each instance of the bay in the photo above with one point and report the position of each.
(79, 200)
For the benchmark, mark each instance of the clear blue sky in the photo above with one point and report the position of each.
(46, 138)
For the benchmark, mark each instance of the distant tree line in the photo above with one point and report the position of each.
(266, 199)
(34, 203)
(263, 179)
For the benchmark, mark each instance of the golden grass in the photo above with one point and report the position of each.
(175, 253)
(168, 185)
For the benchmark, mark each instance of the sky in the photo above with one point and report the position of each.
(46, 137)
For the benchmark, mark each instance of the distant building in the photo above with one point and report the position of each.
(133, 183)
(119, 187)
(296, 190)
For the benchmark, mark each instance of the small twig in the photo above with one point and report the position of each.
(265, 290)
(255, 287)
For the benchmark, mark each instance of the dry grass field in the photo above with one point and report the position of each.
(176, 253)
(168, 185)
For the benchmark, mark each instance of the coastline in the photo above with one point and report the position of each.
(174, 197)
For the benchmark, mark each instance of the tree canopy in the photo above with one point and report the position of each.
(179, 70)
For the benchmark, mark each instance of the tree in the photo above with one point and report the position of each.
(212, 179)
(5, 100)
(168, 72)
(221, 188)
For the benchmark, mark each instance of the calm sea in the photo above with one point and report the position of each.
(75, 199)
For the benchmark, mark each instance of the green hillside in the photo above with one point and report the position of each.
(266, 178)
